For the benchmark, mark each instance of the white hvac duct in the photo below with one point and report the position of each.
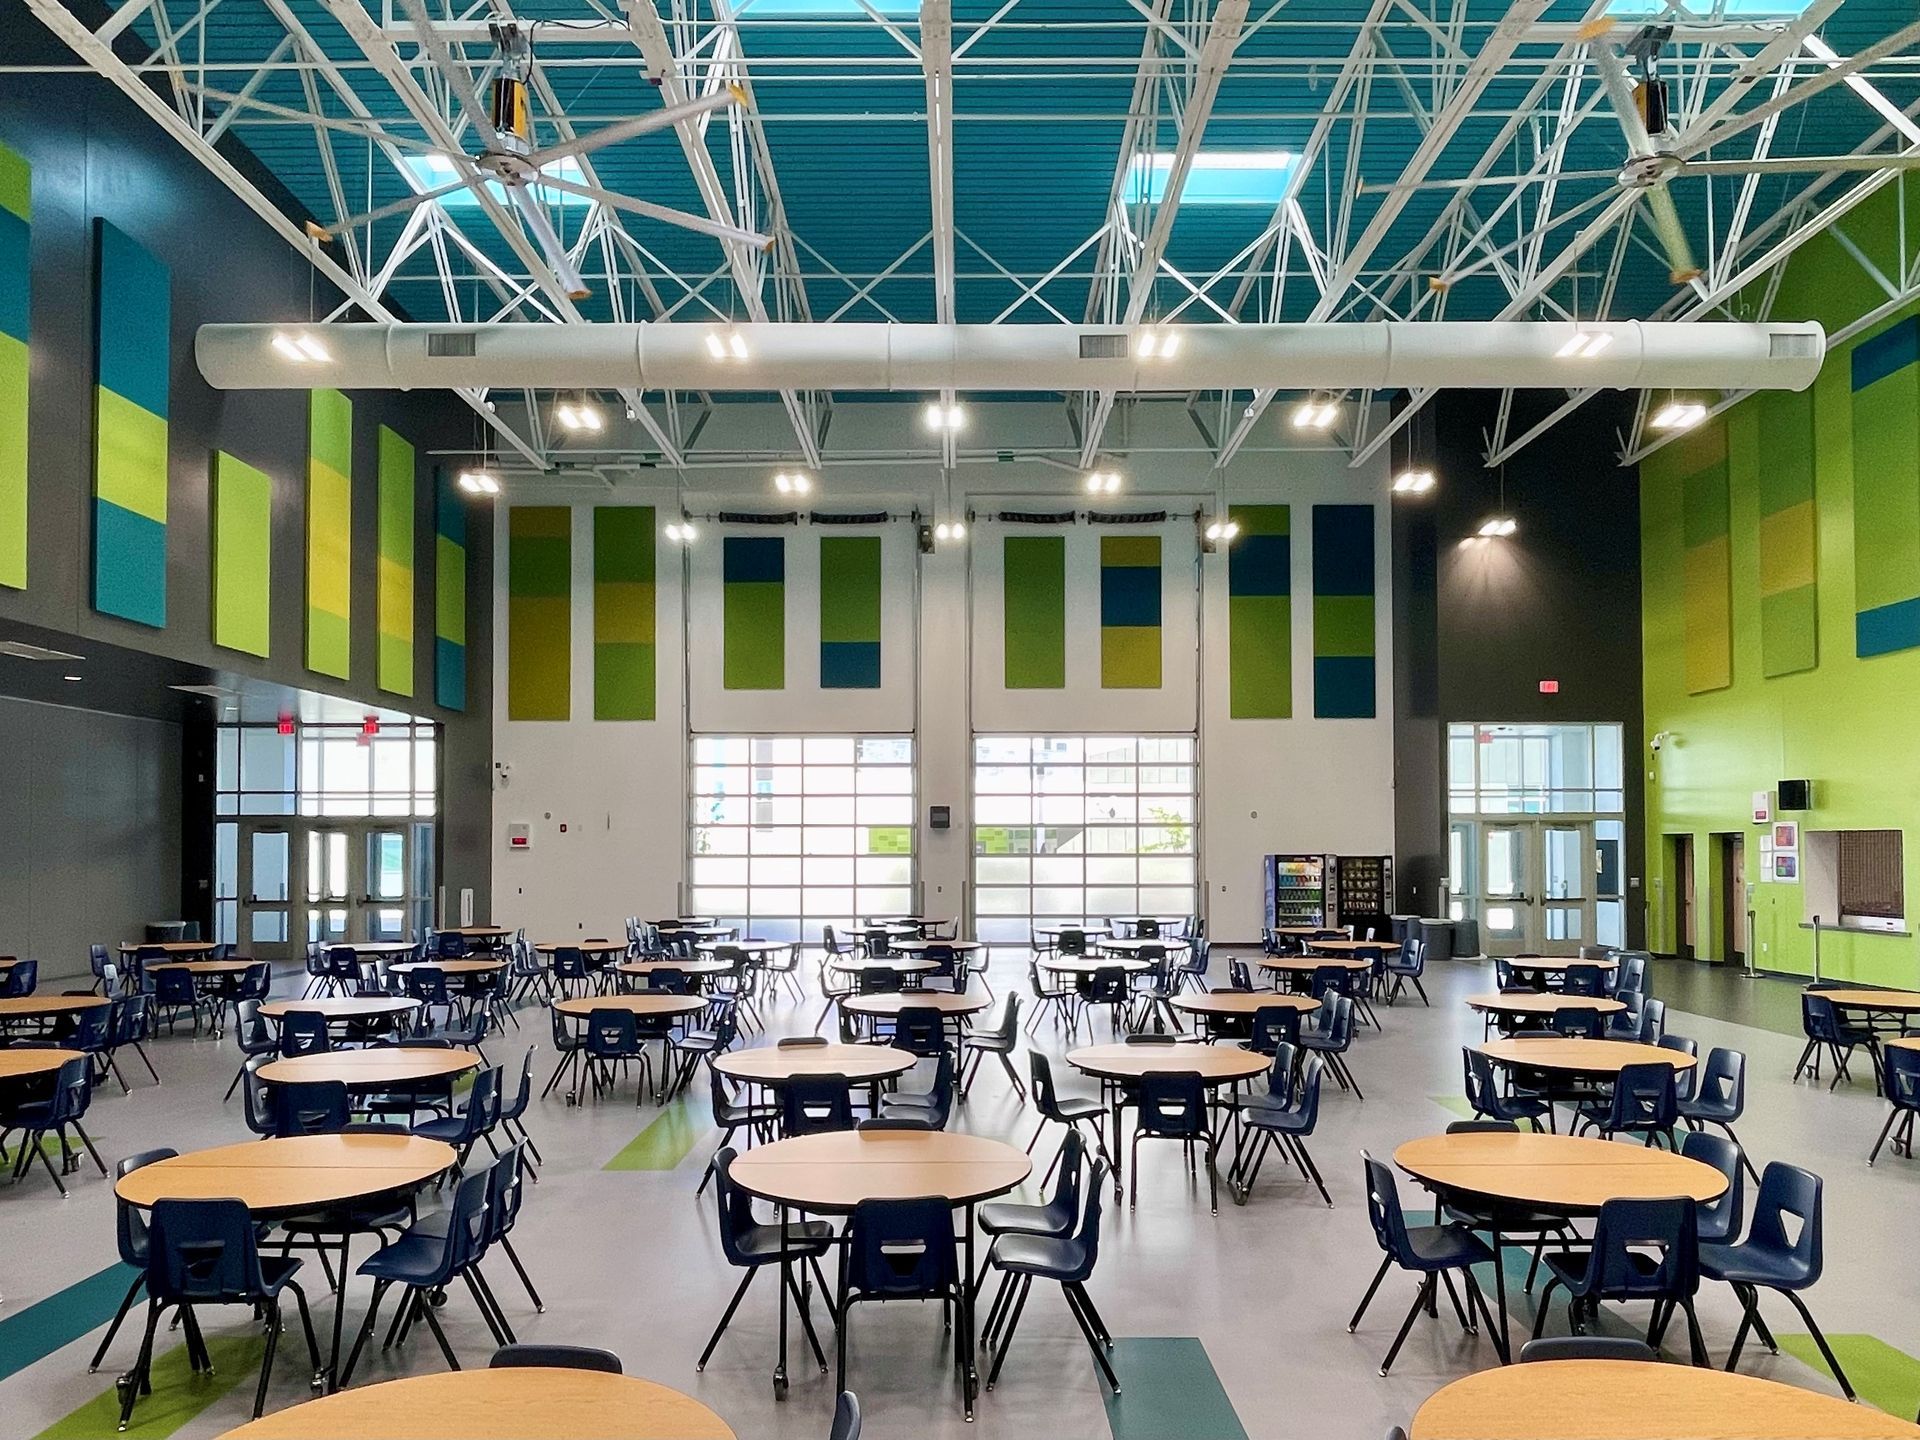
(1629, 354)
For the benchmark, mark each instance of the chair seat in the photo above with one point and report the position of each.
(1571, 1270)
(1751, 1265)
(760, 1244)
(1070, 1107)
(449, 1128)
(746, 1114)
(1511, 1222)
(1716, 1110)
(1044, 1256)
(357, 1218)
(413, 1259)
(1445, 1247)
(1276, 1117)
(1006, 1217)
(910, 1107)
(991, 1044)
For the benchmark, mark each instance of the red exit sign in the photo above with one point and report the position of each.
(1549, 687)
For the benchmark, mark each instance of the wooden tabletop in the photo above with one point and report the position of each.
(1307, 964)
(1560, 1173)
(685, 967)
(341, 1008)
(1215, 1064)
(1543, 1002)
(450, 967)
(25, 1007)
(172, 947)
(1134, 946)
(1241, 1002)
(1088, 964)
(748, 947)
(643, 1002)
(373, 947)
(1555, 964)
(1628, 1400)
(478, 932)
(373, 1068)
(1902, 1042)
(836, 1171)
(959, 947)
(588, 947)
(1898, 1002)
(27, 1060)
(711, 931)
(512, 1404)
(1344, 947)
(1568, 1056)
(901, 964)
(941, 1000)
(286, 1176)
(1299, 929)
(773, 1065)
(205, 967)
(1085, 927)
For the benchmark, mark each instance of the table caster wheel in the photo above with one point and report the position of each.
(318, 1384)
(779, 1387)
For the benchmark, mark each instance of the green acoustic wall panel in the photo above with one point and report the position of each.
(1886, 489)
(850, 612)
(1789, 628)
(449, 593)
(1260, 614)
(1034, 611)
(1343, 619)
(1130, 612)
(395, 609)
(539, 612)
(623, 612)
(242, 555)
(132, 317)
(1706, 560)
(329, 532)
(754, 612)
(16, 219)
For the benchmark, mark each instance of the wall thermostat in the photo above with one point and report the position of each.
(939, 817)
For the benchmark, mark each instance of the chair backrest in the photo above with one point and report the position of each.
(1718, 1219)
(902, 1249)
(1633, 973)
(1653, 1021)
(1334, 1021)
(1584, 980)
(304, 1032)
(202, 1250)
(92, 1029)
(1330, 980)
(1105, 986)
(1071, 942)
(1587, 1347)
(920, 1030)
(129, 1221)
(612, 1034)
(1817, 1017)
(1172, 1103)
(1383, 1210)
(811, 1104)
(668, 981)
(569, 963)
(343, 962)
(428, 984)
(1274, 1026)
(1503, 974)
(1008, 1030)
(1682, 1079)
(310, 1107)
(506, 1189)
(735, 1207)
(1644, 1098)
(1789, 1190)
(173, 986)
(1577, 1021)
(555, 1357)
(942, 1092)
(21, 979)
(879, 980)
(1482, 1127)
(1046, 1099)
(1239, 975)
(1645, 1249)
(1902, 1069)
(483, 1102)
(254, 1095)
(1482, 1090)
(1723, 1081)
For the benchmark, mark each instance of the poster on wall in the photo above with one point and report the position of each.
(1762, 806)
(1766, 858)
(1786, 850)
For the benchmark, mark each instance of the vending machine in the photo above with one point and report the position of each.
(1361, 894)
(1296, 890)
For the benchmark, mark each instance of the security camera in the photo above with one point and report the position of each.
(1659, 740)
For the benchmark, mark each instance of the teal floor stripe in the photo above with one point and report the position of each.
(1168, 1391)
(36, 1332)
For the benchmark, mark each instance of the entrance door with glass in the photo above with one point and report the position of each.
(363, 880)
(266, 911)
(1537, 878)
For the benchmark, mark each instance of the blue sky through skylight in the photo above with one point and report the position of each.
(436, 170)
(1226, 177)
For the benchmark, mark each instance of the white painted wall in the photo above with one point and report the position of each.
(619, 787)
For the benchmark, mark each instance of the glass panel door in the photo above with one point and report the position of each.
(1566, 888)
(383, 900)
(327, 886)
(1506, 910)
(266, 892)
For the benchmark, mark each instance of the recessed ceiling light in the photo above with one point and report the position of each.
(1103, 482)
(792, 482)
(947, 419)
(1678, 415)
(70, 677)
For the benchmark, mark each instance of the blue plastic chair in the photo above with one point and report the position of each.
(751, 1246)
(920, 1030)
(1433, 1252)
(1902, 1083)
(304, 1032)
(174, 990)
(555, 1357)
(467, 1127)
(63, 1108)
(570, 1045)
(1484, 1094)
(1717, 1221)
(1172, 1105)
(933, 1105)
(1408, 964)
(813, 1104)
(905, 1250)
(1273, 1026)
(309, 1107)
(427, 1257)
(1643, 1103)
(613, 1038)
(206, 1252)
(1768, 1260)
(1068, 1260)
(1642, 1250)
(19, 979)
(1720, 1098)
(130, 1235)
(1820, 1022)
(1330, 1036)
(1285, 1115)
(1587, 1347)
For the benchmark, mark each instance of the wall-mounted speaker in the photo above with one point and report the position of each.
(1796, 794)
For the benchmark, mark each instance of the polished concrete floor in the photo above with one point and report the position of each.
(1228, 1326)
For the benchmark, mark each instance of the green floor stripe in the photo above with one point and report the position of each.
(664, 1143)
(1168, 1391)
(1883, 1376)
(1454, 1105)
(34, 1333)
(179, 1396)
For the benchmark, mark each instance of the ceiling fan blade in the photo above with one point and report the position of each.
(639, 125)
(399, 207)
(729, 233)
(1673, 235)
(1464, 183)
(1794, 164)
(535, 219)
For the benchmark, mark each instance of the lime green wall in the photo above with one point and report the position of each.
(1847, 724)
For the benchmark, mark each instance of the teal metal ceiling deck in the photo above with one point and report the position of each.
(1041, 103)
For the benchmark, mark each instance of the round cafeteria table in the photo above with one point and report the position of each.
(1542, 1004)
(748, 947)
(375, 947)
(1296, 966)
(1215, 1064)
(450, 967)
(594, 946)
(1570, 1058)
(295, 1176)
(344, 1009)
(899, 964)
(479, 932)
(774, 1065)
(170, 947)
(1630, 1400)
(1348, 947)
(379, 1068)
(28, 1061)
(947, 1004)
(830, 1174)
(205, 967)
(45, 1008)
(1557, 1174)
(685, 967)
(655, 1004)
(699, 932)
(1543, 967)
(512, 1404)
(1223, 1004)
(1888, 1002)
(1134, 947)
(1091, 964)
(915, 947)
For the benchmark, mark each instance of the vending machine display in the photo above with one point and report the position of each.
(1296, 890)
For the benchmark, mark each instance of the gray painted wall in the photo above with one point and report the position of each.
(89, 831)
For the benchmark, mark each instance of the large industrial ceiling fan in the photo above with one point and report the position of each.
(1656, 154)
(507, 157)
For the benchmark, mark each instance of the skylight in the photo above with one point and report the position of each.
(1729, 9)
(760, 9)
(436, 170)
(1226, 177)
